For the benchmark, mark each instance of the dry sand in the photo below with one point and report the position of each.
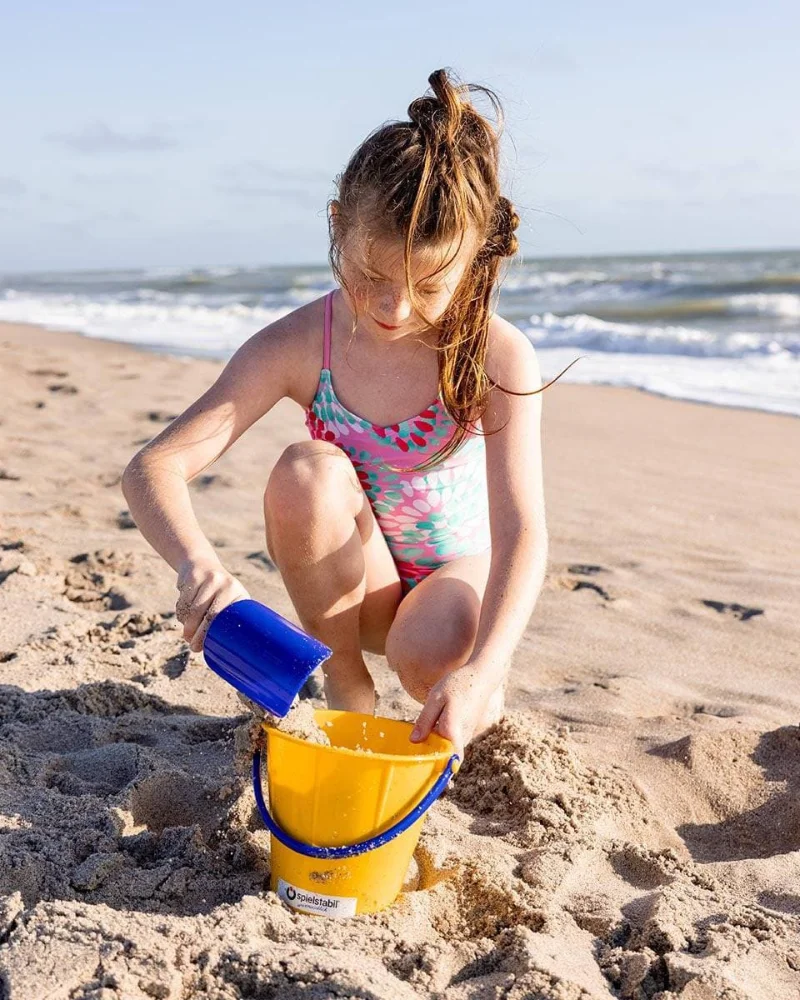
(631, 829)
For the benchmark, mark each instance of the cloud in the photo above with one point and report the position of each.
(255, 179)
(10, 186)
(675, 176)
(101, 138)
(539, 59)
(73, 229)
(114, 177)
(681, 176)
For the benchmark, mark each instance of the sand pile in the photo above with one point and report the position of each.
(126, 828)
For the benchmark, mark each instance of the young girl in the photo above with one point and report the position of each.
(412, 523)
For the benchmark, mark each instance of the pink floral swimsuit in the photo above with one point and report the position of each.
(428, 518)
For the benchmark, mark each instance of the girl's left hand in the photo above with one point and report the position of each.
(455, 706)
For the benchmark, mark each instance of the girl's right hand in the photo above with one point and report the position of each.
(206, 587)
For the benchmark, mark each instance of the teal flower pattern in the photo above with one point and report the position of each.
(428, 518)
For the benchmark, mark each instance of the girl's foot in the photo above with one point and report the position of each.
(349, 687)
(493, 712)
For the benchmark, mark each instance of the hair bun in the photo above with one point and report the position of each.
(440, 115)
(424, 111)
(503, 241)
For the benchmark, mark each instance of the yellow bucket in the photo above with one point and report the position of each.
(345, 818)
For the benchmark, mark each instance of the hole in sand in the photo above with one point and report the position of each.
(167, 799)
(637, 869)
(784, 902)
(750, 783)
(102, 771)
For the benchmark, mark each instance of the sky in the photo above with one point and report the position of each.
(176, 134)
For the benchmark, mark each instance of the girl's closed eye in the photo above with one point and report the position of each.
(372, 281)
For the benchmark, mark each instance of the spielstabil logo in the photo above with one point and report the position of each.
(316, 902)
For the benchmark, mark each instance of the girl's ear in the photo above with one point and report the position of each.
(334, 208)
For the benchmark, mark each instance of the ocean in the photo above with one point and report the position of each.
(718, 328)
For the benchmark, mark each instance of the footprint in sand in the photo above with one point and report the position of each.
(587, 585)
(66, 388)
(49, 372)
(107, 560)
(9, 476)
(586, 569)
(737, 610)
(160, 416)
(718, 711)
(108, 479)
(204, 482)
(176, 665)
(92, 582)
(125, 521)
(567, 582)
(263, 560)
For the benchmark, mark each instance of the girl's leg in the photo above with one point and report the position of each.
(323, 537)
(435, 627)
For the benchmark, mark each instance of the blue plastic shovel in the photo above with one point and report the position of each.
(264, 656)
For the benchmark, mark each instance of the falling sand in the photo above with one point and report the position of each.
(299, 721)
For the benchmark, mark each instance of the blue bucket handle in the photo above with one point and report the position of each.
(350, 850)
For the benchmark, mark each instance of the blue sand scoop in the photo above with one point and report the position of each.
(264, 656)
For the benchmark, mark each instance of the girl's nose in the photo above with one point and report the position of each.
(394, 308)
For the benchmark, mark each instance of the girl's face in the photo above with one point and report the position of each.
(374, 274)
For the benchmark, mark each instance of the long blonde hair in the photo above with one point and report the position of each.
(433, 181)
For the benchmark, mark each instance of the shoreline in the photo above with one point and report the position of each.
(188, 355)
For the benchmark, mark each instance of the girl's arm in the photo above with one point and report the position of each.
(516, 499)
(266, 368)
(519, 538)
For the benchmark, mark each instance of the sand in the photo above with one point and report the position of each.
(630, 829)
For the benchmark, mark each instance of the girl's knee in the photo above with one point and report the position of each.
(422, 652)
(307, 474)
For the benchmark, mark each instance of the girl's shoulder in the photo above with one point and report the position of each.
(294, 341)
(511, 357)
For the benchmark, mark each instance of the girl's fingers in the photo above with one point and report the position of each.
(427, 718)
(439, 714)
(451, 729)
(201, 600)
(197, 611)
(219, 602)
(185, 604)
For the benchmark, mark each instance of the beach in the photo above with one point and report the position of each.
(630, 829)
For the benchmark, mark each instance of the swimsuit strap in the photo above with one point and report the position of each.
(326, 350)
